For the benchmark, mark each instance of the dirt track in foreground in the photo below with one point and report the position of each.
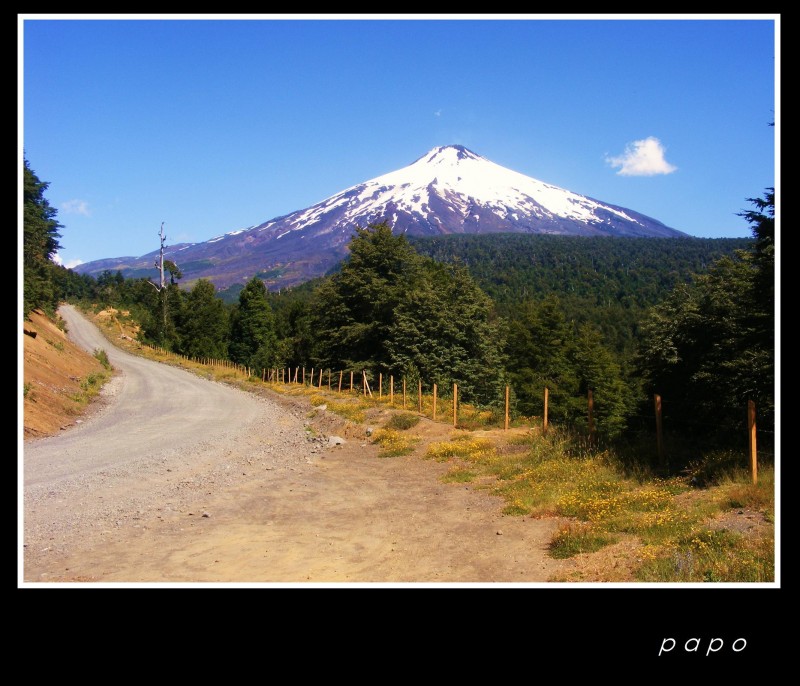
(179, 479)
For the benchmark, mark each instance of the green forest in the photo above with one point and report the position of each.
(623, 318)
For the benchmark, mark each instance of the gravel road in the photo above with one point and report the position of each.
(161, 438)
(179, 479)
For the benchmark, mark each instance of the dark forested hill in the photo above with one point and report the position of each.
(603, 280)
(606, 281)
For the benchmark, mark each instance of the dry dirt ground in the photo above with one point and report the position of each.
(283, 507)
(331, 515)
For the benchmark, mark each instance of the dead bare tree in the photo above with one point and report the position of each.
(162, 288)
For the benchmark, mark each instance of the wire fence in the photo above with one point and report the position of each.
(442, 403)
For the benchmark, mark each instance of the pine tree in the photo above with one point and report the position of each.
(40, 243)
(203, 325)
(540, 344)
(445, 332)
(391, 311)
(709, 347)
(597, 371)
(354, 310)
(253, 341)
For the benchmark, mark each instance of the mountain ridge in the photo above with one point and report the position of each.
(449, 189)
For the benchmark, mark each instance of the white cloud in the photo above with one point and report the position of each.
(69, 265)
(642, 158)
(76, 207)
(437, 113)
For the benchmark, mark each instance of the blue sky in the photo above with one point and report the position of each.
(213, 124)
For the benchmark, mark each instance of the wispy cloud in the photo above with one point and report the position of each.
(437, 113)
(642, 158)
(76, 207)
(69, 265)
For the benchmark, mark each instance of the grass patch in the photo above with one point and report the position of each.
(393, 443)
(711, 556)
(58, 345)
(352, 411)
(465, 447)
(528, 438)
(472, 418)
(225, 374)
(555, 476)
(717, 465)
(102, 357)
(458, 475)
(576, 538)
(92, 381)
(403, 421)
(89, 387)
(738, 491)
(26, 389)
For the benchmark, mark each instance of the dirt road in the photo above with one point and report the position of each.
(177, 479)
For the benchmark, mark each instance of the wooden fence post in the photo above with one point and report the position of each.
(419, 397)
(320, 378)
(351, 382)
(391, 389)
(329, 379)
(659, 430)
(434, 402)
(366, 385)
(751, 431)
(544, 414)
(340, 380)
(591, 418)
(404, 393)
(506, 423)
(455, 404)
(380, 385)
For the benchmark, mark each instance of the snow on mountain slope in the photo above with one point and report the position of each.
(450, 189)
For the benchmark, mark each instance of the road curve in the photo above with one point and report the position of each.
(179, 479)
(156, 410)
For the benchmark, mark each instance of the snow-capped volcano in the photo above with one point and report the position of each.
(450, 189)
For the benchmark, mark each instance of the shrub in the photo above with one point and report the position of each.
(403, 421)
(101, 355)
(393, 443)
(573, 539)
